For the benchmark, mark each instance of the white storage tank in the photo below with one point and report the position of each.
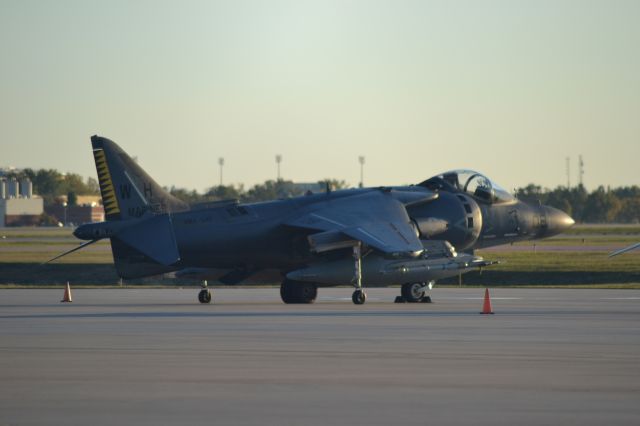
(13, 188)
(26, 188)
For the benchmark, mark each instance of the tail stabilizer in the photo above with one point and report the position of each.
(141, 247)
(154, 238)
(128, 192)
(132, 263)
(146, 248)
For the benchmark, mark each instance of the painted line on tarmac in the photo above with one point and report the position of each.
(620, 298)
(342, 299)
(480, 298)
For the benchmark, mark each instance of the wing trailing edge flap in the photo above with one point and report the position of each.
(154, 238)
(330, 240)
(374, 218)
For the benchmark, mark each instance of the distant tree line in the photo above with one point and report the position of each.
(603, 205)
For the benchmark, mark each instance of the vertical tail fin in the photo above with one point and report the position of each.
(128, 191)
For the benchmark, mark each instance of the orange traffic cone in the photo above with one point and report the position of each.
(486, 307)
(67, 294)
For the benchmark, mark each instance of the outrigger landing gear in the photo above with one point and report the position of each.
(205, 295)
(359, 296)
(414, 293)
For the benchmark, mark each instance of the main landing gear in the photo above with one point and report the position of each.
(305, 292)
(415, 293)
(298, 291)
(359, 296)
(204, 296)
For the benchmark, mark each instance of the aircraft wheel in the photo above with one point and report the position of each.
(359, 297)
(204, 296)
(413, 292)
(308, 292)
(298, 292)
(286, 292)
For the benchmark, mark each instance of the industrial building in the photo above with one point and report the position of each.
(18, 205)
(87, 209)
(76, 215)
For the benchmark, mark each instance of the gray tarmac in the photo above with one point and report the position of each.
(149, 357)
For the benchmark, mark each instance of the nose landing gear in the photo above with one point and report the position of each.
(415, 293)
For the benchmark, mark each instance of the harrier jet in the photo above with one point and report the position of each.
(406, 235)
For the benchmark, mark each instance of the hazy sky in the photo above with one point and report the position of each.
(510, 88)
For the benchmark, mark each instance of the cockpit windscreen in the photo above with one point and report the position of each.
(473, 183)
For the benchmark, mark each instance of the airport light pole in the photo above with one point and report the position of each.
(278, 161)
(64, 222)
(361, 160)
(221, 163)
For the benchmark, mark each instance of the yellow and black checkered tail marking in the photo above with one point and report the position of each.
(109, 199)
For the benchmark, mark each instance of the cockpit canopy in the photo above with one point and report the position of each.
(473, 183)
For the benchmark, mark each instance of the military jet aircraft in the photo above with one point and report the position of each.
(388, 235)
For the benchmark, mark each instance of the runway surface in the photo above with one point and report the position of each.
(149, 357)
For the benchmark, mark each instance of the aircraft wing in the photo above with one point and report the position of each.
(624, 250)
(375, 218)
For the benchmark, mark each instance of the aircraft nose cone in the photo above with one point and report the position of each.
(557, 221)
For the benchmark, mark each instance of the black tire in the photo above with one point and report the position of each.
(413, 292)
(298, 292)
(308, 292)
(204, 296)
(359, 297)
